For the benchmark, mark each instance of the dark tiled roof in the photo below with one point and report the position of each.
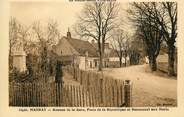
(96, 45)
(82, 46)
(113, 53)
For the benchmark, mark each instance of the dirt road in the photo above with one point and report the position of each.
(68, 79)
(149, 89)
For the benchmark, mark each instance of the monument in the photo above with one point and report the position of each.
(19, 57)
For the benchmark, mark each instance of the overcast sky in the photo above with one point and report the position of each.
(65, 13)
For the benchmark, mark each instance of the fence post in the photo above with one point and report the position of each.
(74, 73)
(101, 91)
(58, 81)
(128, 93)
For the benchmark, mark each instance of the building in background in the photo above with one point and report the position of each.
(77, 52)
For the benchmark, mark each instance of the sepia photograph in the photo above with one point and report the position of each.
(92, 54)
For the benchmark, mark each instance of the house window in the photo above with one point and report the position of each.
(87, 63)
(95, 63)
(105, 64)
(90, 64)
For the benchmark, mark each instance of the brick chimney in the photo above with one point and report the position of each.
(93, 41)
(69, 34)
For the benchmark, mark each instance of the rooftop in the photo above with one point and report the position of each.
(82, 46)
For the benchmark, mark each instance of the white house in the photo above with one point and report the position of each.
(111, 58)
(75, 51)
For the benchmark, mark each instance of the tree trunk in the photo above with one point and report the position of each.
(171, 51)
(100, 56)
(100, 63)
(120, 61)
(125, 59)
(130, 57)
(153, 63)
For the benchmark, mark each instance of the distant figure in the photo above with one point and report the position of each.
(59, 72)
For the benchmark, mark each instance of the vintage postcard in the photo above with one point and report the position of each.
(92, 56)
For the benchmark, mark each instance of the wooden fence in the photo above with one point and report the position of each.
(113, 92)
(94, 90)
(54, 94)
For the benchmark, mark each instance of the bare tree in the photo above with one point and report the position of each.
(126, 47)
(96, 21)
(136, 49)
(149, 30)
(46, 37)
(120, 44)
(168, 22)
(165, 15)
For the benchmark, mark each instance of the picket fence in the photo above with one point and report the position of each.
(94, 90)
(118, 91)
(54, 94)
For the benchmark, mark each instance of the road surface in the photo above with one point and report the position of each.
(149, 89)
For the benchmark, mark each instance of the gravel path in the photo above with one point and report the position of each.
(149, 89)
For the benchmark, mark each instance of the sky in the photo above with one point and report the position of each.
(65, 13)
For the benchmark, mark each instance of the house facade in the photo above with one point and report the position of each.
(111, 58)
(84, 54)
(77, 52)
